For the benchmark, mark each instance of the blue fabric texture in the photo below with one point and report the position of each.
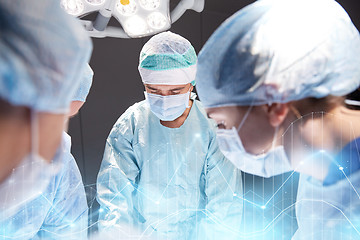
(61, 212)
(328, 212)
(348, 159)
(42, 49)
(85, 85)
(170, 181)
(270, 52)
(331, 210)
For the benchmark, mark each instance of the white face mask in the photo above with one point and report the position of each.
(269, 164)
(168, 108)
(28, 180)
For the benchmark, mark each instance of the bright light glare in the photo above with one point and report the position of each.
(73, 7)
(135, 26)
(150, 4)
(157, 20)
(263, 207)
(95, 2)
(127, 10)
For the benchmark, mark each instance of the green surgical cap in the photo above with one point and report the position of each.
(167, 58)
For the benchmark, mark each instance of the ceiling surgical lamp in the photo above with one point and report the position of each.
(138, 18)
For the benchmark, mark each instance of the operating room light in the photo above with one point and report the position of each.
(135, 26)
(138, 18)
(157, 20)
(127, 10)
(73, 7)
(95, 2)
(150, 4)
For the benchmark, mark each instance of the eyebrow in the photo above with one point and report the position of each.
(151, 88)
(177, 89)
(174, 89)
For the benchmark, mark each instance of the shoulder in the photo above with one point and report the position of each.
(203, 117)
(204, 126)
(128, 122)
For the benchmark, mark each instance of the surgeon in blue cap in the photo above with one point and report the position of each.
(41, 51)
(274, 77)
(162, 170)
(61, 209)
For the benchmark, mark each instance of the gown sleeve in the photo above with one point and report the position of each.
(223, 188)
(117, 182)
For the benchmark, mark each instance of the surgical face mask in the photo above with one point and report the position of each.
(28, 180)
(168, 108)
(268, 164)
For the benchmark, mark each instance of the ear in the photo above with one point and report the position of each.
(277, 113)
(75, 107)
(191, 88)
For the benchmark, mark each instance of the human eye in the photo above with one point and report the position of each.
(152, 90)
(221, 125)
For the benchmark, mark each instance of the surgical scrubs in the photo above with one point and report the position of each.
(61, 212)
(331, 211)
(172, 181)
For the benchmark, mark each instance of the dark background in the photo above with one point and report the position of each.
(117, 85)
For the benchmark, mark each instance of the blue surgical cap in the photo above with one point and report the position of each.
(169, 59)
(42, 49)
(280, 51)
(85, 85)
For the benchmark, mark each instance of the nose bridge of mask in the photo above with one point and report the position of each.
(154, 100)
(168, 108)
(175, 100)
(167, 102)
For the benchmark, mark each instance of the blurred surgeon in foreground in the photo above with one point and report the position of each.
(162, 170)
(61, 209)
(273, 76)
(41, 51)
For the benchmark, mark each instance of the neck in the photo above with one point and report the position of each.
(180, 120)
(334, 130)
(329, 132)
(14, 145)
(345, 126)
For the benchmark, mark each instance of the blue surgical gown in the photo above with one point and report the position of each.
(172, 181)
(331, 211)
(61, 211)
